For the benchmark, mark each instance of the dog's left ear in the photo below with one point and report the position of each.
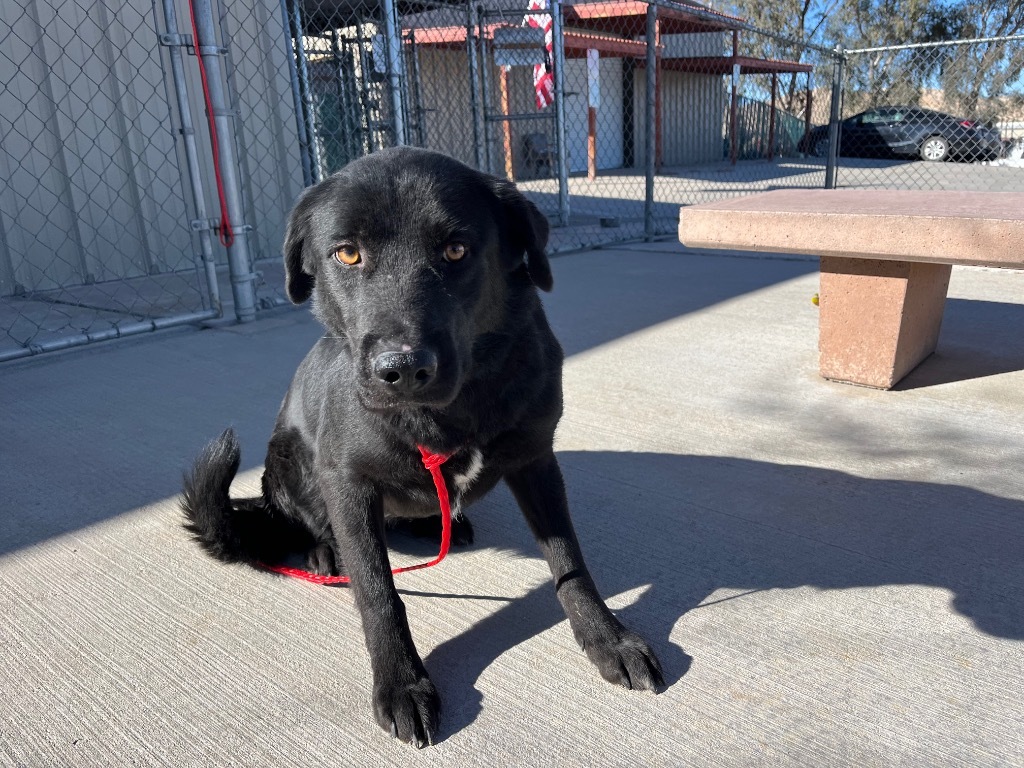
(299, 273)
(528, 228)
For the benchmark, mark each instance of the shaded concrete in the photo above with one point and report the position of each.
(830, 574)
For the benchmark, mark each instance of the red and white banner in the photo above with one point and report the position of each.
(543, 80)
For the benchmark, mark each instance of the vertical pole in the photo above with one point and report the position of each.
(591, 143)
(629, 130)
(733, 99)
(593, 94)
(506, 125)
(188, 135)
(364, 87)
(344, 109)
(558, 54)
(485, 90)
(833, 126)
(242, 277)
(771, 119)
(300, 121)
(421, 121)
(808, 106)
(657, 96)
(650, 115)
(394, 46)
(474, 84)
(305, 94)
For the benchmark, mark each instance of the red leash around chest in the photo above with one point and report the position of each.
(433, 462)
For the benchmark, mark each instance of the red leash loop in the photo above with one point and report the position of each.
(432, 462)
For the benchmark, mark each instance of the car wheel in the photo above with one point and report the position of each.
(934, 149)
(820, 148)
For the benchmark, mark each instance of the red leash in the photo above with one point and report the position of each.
(433, 462)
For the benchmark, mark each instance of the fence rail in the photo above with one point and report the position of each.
(118, 216)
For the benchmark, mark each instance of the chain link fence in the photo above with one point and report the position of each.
(120, 213)
(478, 82)
(95, 235)
(931, 116)
(731, 106)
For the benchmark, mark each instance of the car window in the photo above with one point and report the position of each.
(893, 115)
(873, 116)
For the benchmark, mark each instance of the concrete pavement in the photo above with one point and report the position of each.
(831, 575)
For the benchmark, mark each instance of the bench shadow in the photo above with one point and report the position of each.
(674, 530)
(975, 341)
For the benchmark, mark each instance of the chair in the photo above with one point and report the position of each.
(537, 152)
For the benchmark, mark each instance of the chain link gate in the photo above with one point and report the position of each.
(96, 239)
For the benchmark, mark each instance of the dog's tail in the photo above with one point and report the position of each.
(234, 530)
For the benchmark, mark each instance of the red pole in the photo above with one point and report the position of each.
(591, 143)
(506, 126)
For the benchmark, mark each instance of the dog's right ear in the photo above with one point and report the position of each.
(299, 272)
(529, 231)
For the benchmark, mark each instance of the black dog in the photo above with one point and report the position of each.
(425, 274)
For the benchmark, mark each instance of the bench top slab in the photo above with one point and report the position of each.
(943, 227)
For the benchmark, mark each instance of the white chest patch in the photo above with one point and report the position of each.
(465, 479)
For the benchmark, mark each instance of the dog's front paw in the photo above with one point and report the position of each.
(408, 711)
(626, 660)
(322, 561)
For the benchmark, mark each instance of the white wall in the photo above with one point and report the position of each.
(609, 114)
(92, 174)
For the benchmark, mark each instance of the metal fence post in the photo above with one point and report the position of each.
(306, 96)
(558, 51)
(394, 47)
(305, 140)
(474, 84)
(650, 148)
(485, 90)
(836, 113)
(174, 42)
(242, 277)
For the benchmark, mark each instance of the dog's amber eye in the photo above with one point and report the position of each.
(348, 255)
(454, 251)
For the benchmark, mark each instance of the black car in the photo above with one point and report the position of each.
(907, 132)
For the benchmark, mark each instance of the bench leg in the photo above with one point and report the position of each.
(878, 319)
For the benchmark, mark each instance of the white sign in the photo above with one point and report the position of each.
(518, 46)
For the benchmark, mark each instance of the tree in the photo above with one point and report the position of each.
(979, 79)
(974, 79)
(795, 23)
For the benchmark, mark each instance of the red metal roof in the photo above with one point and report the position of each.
(629, 17)
(576, 41)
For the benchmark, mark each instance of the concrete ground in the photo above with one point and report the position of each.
(831, 575)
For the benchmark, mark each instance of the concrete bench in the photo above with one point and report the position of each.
(886, 257)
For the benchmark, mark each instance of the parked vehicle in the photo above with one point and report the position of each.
(907, 132)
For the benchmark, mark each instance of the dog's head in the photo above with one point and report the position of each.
(412, 257)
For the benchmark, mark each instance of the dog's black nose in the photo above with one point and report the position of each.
(406, 372)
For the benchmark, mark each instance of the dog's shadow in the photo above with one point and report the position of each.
(677, 529)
